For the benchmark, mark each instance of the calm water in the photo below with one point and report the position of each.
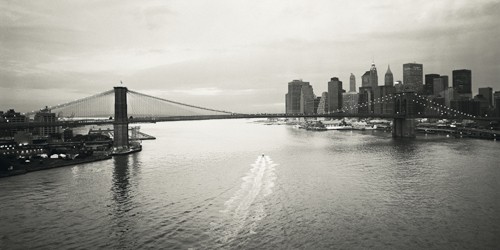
(205, 184)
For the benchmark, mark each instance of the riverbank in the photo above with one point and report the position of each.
(42, 164)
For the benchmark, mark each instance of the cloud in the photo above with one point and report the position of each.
(215, 52)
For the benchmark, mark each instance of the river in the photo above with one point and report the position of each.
(207, 185)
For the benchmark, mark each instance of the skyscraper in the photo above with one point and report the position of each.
(462, 82)
(323, 104)
(487, 92)
(307, 100)
(389, 78)
(365, 100)
(429, 84)
(365, 79)
(413, 77)
(373, 77)
(438, 86)
(300, 98)
(334, 94)
(385, 106)
(352, 83)
(349, 102)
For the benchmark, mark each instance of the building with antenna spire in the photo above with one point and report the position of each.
(373, 76)
(352, 83)
(389, 78)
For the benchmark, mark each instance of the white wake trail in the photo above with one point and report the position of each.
(246, 207)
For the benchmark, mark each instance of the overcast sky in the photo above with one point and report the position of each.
(233, 55)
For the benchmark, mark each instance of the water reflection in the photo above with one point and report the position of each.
(121, 177)
(403, 148)
(123, 221)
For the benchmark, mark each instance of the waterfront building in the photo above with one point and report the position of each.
(334, 94)
(429, 84)
(462, 82)
(389, 78)
(300, 98)
(323, 104)
(67, 134)
(413, 77)
(12, 116)
(352, 83)
(487, 92)
(46, 116)
(350, 102)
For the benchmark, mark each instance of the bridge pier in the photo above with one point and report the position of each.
(120, 123)
(403, 128)
(404, 125)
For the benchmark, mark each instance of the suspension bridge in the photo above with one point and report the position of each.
(121, 106)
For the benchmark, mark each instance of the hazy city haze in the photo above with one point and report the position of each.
(233, 55)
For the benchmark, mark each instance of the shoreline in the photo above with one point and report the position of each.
(49, 164)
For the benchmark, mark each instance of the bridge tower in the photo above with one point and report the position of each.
(120, 123)
(403, 125)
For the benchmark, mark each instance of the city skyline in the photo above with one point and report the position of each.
(237, 54)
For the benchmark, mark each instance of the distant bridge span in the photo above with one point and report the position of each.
(126, 106)
(77, 123)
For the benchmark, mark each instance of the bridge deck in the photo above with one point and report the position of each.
(77, 123)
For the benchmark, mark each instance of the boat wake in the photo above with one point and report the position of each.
(246, 208)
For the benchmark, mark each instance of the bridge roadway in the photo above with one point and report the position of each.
(78, 123)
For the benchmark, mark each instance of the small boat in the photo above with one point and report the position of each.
(134, 147)
(338, 127)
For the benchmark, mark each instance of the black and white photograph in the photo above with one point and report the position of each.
(249, 124)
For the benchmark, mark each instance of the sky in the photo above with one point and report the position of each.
(232, 54)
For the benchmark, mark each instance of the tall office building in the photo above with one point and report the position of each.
(382, 104)
(429, 84)
(413, 77)
(449, 94)
(484, 105)
(323, 104)
(445, 81)
(438, 86)
(462, 82)
(487, 92)
(334, 94)
(365, 79)
(373, 77)
(389, 78)
(352, 83)
(350, 102)
(365, 97)
(300, 98)
(307, 100)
